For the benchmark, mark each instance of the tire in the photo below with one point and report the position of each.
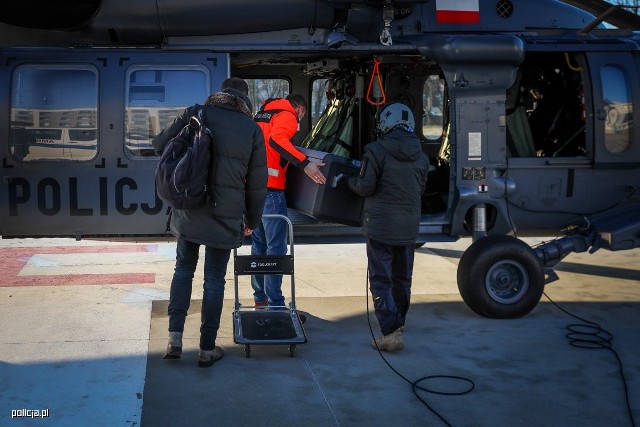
(500, 277)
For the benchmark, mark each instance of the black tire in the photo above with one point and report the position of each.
(500, 277)
(247, 351)
(292, 350)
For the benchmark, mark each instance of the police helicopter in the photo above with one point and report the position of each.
(526, 109)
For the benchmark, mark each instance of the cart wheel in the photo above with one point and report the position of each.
(292, 350)
(247, 350)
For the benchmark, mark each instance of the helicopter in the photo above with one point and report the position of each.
(525, 108)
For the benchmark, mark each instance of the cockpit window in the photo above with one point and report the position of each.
(618, 109)
(54, 113)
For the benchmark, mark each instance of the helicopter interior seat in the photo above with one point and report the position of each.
(333, 133)
(558, 128)
(519, 137)
(520, 142)
(436, 195)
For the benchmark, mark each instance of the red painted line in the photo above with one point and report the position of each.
(13, 260)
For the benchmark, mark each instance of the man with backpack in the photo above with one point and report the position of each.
(237, 191)
(279, 120)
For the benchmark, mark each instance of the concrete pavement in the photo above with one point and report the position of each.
(84, 330)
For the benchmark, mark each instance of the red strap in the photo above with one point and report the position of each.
(376, 74)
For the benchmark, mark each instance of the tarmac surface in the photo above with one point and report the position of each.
(84, 329)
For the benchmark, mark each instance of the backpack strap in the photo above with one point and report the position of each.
(205, 128)
(168, 222)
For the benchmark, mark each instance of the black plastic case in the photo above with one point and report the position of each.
(326, 202)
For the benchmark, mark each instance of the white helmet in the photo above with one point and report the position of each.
(392, 115)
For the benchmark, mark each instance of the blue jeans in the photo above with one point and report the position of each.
(390, 273)
(270, 238)
(215, 268)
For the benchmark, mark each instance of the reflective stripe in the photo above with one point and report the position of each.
(273, 172)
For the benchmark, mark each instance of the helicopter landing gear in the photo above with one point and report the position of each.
(500, 277)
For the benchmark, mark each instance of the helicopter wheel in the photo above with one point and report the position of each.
(247, 351)
(292, 350)
(500, 277)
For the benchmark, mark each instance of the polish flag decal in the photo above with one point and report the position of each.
(457, 12)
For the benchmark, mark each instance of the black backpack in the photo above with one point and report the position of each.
(182, 175)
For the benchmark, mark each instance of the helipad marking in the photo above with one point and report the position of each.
(13, 261)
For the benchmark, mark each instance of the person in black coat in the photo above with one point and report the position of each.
(392, 179)
(238, 190)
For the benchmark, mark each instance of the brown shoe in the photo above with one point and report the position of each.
(209, 357)
(390, 342)
(260, 304)
(174, 346)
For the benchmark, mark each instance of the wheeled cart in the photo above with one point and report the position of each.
(269, 325)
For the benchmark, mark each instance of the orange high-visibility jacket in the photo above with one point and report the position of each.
(279, 122)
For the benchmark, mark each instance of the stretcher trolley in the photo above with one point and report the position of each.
(268, 325)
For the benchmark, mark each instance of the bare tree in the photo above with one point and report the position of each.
(631, 5)
(262, 89)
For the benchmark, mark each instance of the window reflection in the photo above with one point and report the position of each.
(618, 109)
(154, 98)
(54, 114)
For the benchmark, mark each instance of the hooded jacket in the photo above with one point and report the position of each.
(392, 179)
(239, 173)
(279, 123)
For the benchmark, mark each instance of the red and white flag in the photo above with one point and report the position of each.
(457, 12)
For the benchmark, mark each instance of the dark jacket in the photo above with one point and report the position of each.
(239, 173)
(392, 179)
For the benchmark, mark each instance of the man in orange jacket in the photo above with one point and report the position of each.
(279, 120)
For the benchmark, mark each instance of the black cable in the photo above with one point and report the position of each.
(415, 384)
(590, 335)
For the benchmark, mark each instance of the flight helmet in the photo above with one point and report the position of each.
(393, 115)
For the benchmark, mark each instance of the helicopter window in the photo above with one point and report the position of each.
(618, 109)
(433, 107)
(545, 108)
(155, 96)
(262, 89)
(333, 131)
(319, 99)
(54, 113)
